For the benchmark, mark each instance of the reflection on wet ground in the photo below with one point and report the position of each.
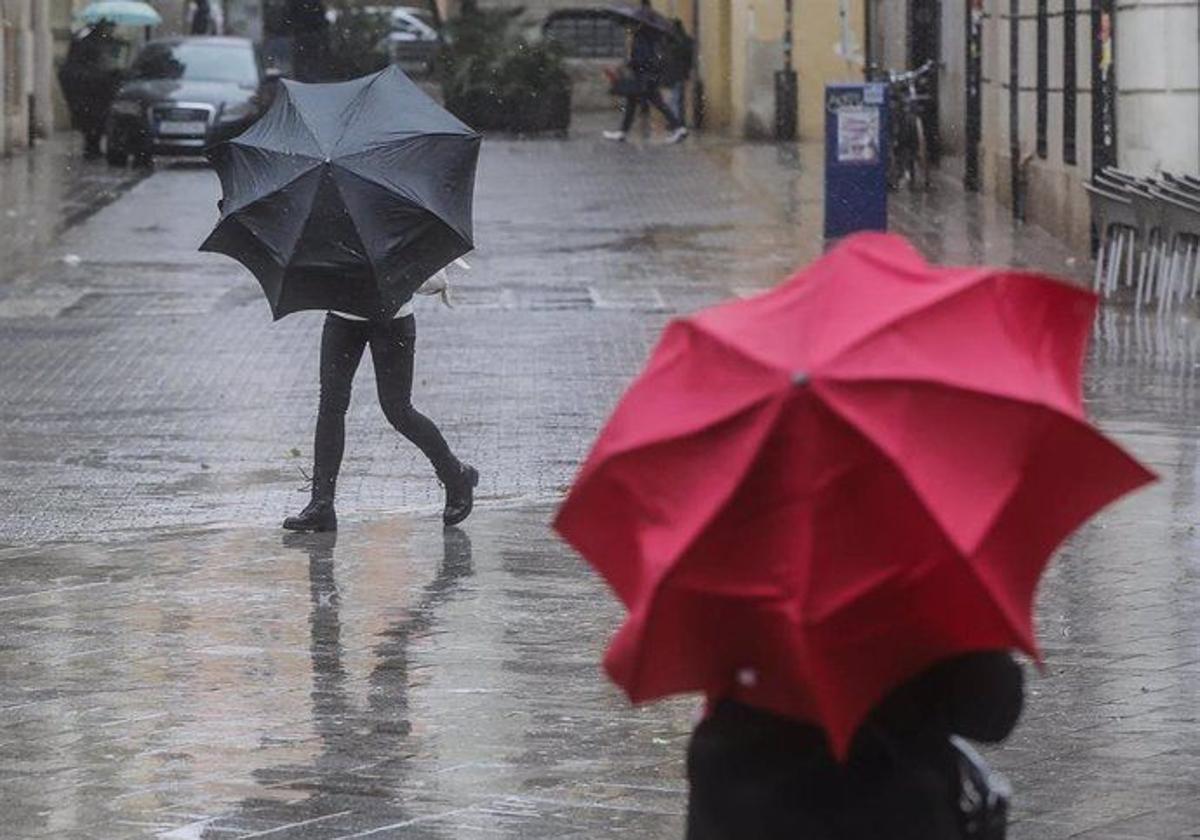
(49, 192)
(386, 681)
(224, 682)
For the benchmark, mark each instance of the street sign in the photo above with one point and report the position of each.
(856, 158)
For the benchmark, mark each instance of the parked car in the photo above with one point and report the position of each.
(184, 94)
(414, 41)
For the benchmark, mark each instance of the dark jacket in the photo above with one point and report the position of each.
(91, 74)
(758, 776)
(645, 53)
(680, 55)
(305, 17)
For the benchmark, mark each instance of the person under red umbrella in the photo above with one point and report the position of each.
(827, 508)
(757, 775)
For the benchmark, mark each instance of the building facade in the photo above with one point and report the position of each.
(743, 43)
(34, 35)
(26, 72)
(1035, 95)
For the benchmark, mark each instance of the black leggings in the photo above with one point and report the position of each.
(392, 345)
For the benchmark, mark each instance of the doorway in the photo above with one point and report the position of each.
(925, 44)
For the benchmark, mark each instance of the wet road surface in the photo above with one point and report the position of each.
(44, 194)
(170, 666)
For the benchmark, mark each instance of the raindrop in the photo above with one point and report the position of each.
(747, 677)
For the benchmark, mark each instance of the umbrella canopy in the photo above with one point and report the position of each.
(121, 12)
(347, 196)
(641, 16)
(811, 496)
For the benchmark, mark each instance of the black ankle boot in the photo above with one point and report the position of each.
(317, 516)
(460, 494)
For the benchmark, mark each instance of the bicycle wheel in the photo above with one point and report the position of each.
(920, 157)
(898, 159)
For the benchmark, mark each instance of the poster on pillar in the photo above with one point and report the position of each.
(1104, 83)
(856, 138)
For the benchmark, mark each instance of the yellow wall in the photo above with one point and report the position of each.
(741, 47)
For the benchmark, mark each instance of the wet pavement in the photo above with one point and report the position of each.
(44, 194)
(171, 666)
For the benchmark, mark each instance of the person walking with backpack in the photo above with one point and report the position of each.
(680, 59)
(646, 67)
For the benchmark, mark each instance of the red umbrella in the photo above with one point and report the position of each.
(812, 495)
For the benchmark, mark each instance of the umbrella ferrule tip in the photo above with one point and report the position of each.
(747, 677)
(799, 378)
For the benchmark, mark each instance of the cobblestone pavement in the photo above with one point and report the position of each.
(146, 386)
(170, 667)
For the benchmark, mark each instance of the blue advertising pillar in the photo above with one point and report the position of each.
(856, 152)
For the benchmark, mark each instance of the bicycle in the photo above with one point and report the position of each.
(909, 143)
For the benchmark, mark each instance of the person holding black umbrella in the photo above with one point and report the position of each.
(90, 76)
(393, 344)
(349, 198)
(646, 68)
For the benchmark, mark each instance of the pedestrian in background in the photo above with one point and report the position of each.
(680, 59)
(306, 22)
(755, 775)
(646, 64)
(199, 17)
(90, 76)
(204, 17)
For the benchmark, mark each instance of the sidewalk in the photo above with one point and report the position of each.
(46, 190)
(172, 667)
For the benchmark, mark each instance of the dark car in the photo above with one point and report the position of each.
(184, 94)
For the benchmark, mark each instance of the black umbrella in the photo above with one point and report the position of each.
(347, 196)
(642, 16)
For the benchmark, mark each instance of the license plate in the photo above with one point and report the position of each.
(174, 128)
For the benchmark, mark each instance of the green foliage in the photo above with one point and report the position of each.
(493, 79)
(357, 41)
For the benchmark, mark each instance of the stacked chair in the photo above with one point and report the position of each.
(1149, 237)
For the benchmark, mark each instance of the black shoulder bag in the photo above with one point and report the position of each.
(983, 794)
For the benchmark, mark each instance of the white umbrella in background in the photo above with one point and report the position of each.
(121, 12)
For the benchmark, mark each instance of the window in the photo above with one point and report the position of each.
(1070, 81)
(196, 62)
(587, 35)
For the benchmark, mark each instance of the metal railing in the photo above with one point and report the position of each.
(1149, 232)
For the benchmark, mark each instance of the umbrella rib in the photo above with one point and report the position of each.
(652, 595)
(287, 263)
(354, 223)
(965, 557)
(273, 149)
(393, 188)
(690, 324)
(901, 471)
(970, 390)
(358, 97)
(288, 183)
(974, 280)
(304, 121)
